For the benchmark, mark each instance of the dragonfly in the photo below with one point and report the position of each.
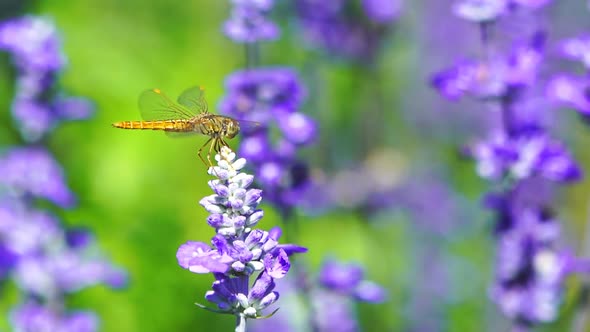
(189, 115)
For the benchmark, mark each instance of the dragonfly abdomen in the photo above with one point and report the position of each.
(166, 125)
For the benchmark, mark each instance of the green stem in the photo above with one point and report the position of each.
(252, 55)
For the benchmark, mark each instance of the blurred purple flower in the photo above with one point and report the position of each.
(524, 156)
(249, 23)
(482, 11)
(348, 279)
(8, 260)
(495, 77)
(46, 267)
(25, 231)
(577, 48)
(339, 28)
(238, 249)
(34, 43)
(382, 11)
(519, 155)
(45, 261)
(35, 47)
(33, 172)
(333, 308)
(45, 264)
(272, 97)
(334, 312)
(34, 317)
(530, 271)
(572, 91)
(262, 94)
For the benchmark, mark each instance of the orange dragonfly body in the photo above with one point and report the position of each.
(189, 116)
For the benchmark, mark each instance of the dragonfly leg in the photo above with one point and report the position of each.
(214, 143)
(201, 156)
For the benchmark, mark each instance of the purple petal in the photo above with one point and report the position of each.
(277, 264)
(370, 292)
(190, 250)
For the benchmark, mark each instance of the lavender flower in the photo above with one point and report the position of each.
(43, 259)
(348, 279)
(480, 10)
(337, 27)
(46, 264)
(33, 317)
(272, 97)
(494, 78)
(239, 250)
(249, 23)
(382, 11)
(32, 172)
(35, 48)
(333, 296)
(577, 48)
(569, 89)
(341, 286)
(524, 156)
(530, 269)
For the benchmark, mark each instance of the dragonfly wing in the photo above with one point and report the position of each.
(194, 99)
(249, 126)
(176, 134)
(155, 105)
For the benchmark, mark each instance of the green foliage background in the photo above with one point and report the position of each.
(139, 191)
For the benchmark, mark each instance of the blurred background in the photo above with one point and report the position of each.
(381, 129)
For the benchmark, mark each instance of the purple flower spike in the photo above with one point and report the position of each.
(348, 279)
(34, 42)
(35, 48)
(248, 22)
(525, 156)
(257, 94)
(371, 292)
(239, 251)
(34, 317)
(335, 26)
(272, 97)
(467, 76)
(34, 172)
(297, 128)
(495, 77)
(341, 277)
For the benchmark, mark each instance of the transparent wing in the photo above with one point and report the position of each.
(249, 127)
(194, 99)
(176, 134)
(155, 105)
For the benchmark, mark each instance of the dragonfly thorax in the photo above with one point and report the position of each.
(218, 126)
